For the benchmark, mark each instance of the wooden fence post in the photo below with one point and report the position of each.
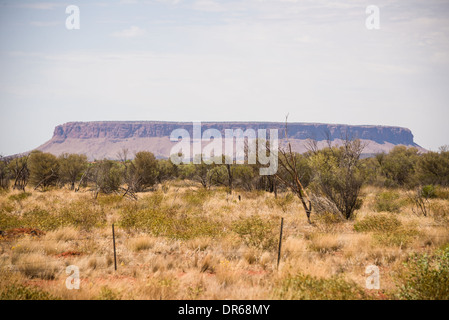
(280, 242)
(115, 254)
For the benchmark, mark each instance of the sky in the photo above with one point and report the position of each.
(211, 60)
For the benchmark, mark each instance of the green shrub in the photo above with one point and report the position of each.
(41, 219)
(108, 294)
(82, 215)
(388, 201)
(44, 169)
(281, 202)
(154, 216)
(194, 227)
(426, 277)
(109, 200)
(7, 218)
(77, 214)
(401, 237)
(339, 176)
(428, 191)
(305, 287)
(196, 198)
(165, 221)
(378, 223)
(257, 232)
(154, 200)
(8, 221)
(35, 218)
(20, 196)
(20, 292)
(388, 230)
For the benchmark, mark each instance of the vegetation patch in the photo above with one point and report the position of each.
(165, 221)
(109, 200)
(389, 201)
(378, 223)
(20, 196)
(107, 293)
(400, 238)
(17, 291)
(80, 215)
(196, 198)
(280, 202)
(387, 230)
(306, 287)
(442, 193)
(77, 214)
(257, 232)
(426, 277)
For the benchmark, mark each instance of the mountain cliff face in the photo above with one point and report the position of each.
(100, 140)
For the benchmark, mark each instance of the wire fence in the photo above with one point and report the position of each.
(31, 238)
(19, 238)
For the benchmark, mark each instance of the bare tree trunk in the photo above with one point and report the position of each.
(287, 162)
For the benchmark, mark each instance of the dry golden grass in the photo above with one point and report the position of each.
(210, 261)
(141, 243)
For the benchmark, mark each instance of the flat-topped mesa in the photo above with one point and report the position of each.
(148, 129)
(104, 139)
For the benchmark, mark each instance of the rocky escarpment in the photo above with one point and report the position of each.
(105, 139)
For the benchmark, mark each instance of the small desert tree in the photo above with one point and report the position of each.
(143, 171)
(398, 166)
(221, 172)
(18, 168)
(289, 172)
(198, 171)
(4, 173)
(433, 167)
(303, 169)
(106, 176)
(166, 170)
(44, 169)
(290, 175)
(339, 175)
(245, 176)
(71, 167)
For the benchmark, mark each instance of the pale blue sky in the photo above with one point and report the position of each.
(210, 60)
